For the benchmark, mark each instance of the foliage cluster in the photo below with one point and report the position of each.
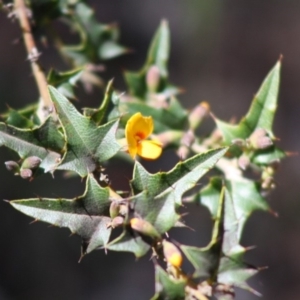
(54, 136)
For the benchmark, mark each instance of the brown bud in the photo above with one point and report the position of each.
(12, 166)
(172, 254)
(25, 173)
(31, 162)
(153, 78)
(144, 227)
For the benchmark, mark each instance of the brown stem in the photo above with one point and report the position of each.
(45, 103)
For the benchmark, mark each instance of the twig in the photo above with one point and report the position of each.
(45, 103)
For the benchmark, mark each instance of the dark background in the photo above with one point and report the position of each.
(220, 52)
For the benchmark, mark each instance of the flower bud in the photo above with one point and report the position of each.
(144, 227)
(114, 209)
(116, 222)
(31, 162)
(26, 173)
(172, 254)
(12, 166)
(197, 115)
(153, 78)
(244, 162)
(259, 139)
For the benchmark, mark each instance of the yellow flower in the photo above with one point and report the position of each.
(138, 129)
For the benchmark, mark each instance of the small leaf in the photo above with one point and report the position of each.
(167, 287)
(99, 115)
(87, 144)
(64, 81)
(97, 41)
(129, 243)
(85, 215)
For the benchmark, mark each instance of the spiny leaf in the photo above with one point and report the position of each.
(129, 243)
(181, 178)
(64, 81)
(99, 115)
(167, 287)
(223, 257)
(97, 41)
(21, 118)
(261, 113)
(159, 210)
(45, 142)
(87, 144)
(245, 197)
(85, 215)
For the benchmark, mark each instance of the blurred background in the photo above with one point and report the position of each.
(220, 52)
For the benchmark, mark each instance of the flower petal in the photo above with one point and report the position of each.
(149, 149)
(137, 128)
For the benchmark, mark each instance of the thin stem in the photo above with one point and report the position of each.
(45, 103)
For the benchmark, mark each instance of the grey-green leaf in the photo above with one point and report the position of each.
(86, 215)
(181, 178)
(87, 144)
(45, 142)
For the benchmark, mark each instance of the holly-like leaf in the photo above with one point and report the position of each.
(223, 259)
(181, 178)
(158, 211)
(245, 197)
(129, 243)
(64, 82)
(100, 114)
(158, 56)
(267, 156)
(97, 41)
(261, 113)
(44, 142)
(86, 215)
(87, 144)
(167, 287)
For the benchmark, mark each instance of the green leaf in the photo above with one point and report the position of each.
(261, 113)
(97, 41)
(45, 142)
(204, 260)
(222, 259)
(158, 56)
(159, 211)
(17, 119)
(99, 115)
(86, 215)
(267, 156)
(87, 144)
(22, 118)
(129, 243)
(167, 287)
(246, 199)
(181, 178)
(64, 81)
